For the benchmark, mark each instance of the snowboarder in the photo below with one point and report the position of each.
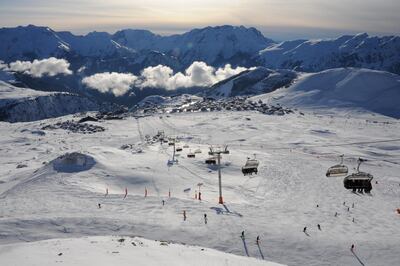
(304, 229)
(99, 205)
(317, 205)
(199, 195)
(258, 240)
(348, 209)
(352, 248)
(344, 203)
(319, 227)
(336, 214)
(205, 218)
(242, 236)
(184, 215)
(163, 202)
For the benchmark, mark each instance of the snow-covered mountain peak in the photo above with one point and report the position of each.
(360, 50)
(212, 45)
(30, 42)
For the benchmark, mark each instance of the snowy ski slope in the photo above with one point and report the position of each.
(54, 198)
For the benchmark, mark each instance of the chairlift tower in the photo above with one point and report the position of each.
(173, 155)
(218, 154)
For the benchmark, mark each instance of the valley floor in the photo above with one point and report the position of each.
(40, 200)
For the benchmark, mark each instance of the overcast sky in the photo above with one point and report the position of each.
(278, 19)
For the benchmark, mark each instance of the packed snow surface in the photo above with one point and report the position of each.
(41, 202)
(120, 251)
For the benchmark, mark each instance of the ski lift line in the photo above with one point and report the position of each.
(171, 126)
(139, 130)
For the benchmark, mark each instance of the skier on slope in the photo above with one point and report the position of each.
(258, 240)
(242, 236)
(205, 218)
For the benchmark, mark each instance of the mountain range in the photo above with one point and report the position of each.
(132, 50)
(270, 65)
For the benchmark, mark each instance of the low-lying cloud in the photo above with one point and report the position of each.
(115, 83)
(198, 74)
(38, 68)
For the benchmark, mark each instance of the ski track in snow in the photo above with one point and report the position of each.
(37, 202)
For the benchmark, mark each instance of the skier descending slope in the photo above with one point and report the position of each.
(126, 192)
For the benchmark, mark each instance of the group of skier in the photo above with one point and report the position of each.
(257, 239)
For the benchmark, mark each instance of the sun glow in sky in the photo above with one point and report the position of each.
(282, 19)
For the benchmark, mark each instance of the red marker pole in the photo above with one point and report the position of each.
(169, 193)
(145, 192)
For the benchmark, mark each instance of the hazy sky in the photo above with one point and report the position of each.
(279, 19)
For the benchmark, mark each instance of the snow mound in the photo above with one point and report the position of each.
(375, 91)
(73, 162)
(118, 251)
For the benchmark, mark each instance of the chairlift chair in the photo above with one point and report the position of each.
(360, 181)
(250, 167)
(197, 151)
(225, 151)
(191, 155)
(211, 160)
(171, 142)
(338, 170)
